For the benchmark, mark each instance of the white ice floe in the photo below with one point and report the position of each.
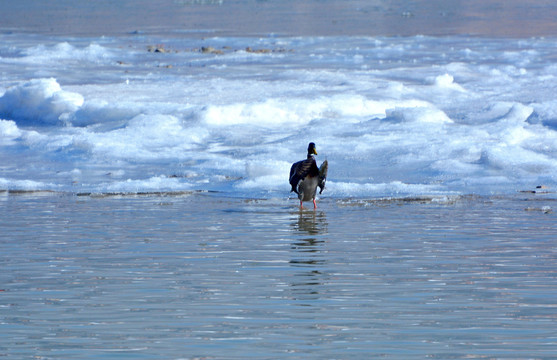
(477, 120)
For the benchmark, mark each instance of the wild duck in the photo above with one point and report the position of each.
(305, 177)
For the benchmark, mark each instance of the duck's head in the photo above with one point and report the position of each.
(311, 149)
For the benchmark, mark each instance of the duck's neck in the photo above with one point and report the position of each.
(310, 156)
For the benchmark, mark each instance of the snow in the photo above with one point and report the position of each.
(393, 116)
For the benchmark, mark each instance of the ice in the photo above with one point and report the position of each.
(96, 112)
(393, 116)
(446, 81)
(395, 188)
(294, 112)
(144, 137)
(423, 114)
(64, 51)
(8, 131)
(28, 185)
(161, 183)
(39, 102)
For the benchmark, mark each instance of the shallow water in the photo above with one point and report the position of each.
(205, 276)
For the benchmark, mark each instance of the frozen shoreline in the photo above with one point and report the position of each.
(529, 195)
(394, 117)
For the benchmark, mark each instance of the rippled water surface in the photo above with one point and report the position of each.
(201, 276)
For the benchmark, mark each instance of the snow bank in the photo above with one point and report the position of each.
(39, 102)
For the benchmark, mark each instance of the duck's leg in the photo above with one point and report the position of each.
(314, 204)
(301, 205)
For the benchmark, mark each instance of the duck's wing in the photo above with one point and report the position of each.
(323, 175)
(300, 170)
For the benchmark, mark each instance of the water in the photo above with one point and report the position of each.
(499, 18)
(199, 276)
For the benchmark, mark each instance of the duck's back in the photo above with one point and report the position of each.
(302, 169)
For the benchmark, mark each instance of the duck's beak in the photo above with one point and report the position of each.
(314, 151)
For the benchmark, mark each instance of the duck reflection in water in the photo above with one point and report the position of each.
(309, 232)
(311, 223)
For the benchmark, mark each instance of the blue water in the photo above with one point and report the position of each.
(201, 276)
